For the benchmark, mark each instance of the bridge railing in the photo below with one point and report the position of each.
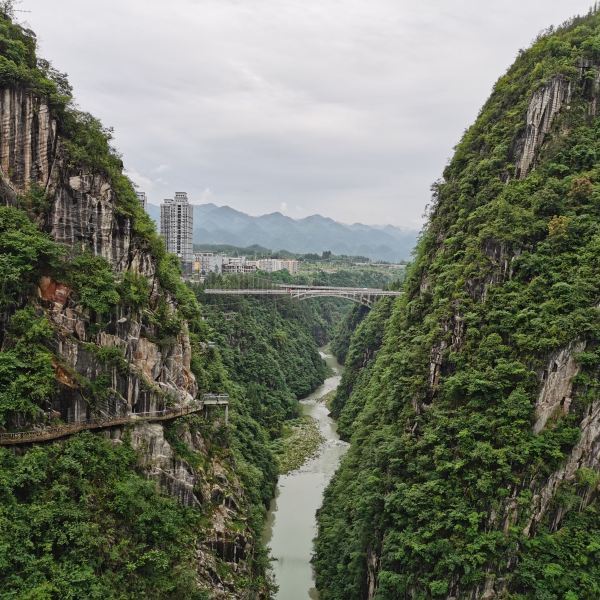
(65, 429)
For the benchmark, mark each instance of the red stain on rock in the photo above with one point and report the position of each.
(63, 376)
(53, 291)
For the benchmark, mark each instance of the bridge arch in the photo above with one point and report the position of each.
(363, 296)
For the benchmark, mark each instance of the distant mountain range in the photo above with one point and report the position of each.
(224, 225)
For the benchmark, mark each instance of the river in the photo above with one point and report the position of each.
(291, 522)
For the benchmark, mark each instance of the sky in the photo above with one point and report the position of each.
(346, 108)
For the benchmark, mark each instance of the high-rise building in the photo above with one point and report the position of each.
(142, 198)
(176, 227)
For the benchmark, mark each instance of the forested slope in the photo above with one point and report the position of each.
(96, 323)
(269, 348)
(341, 340)
(358, 361)
(474, 465)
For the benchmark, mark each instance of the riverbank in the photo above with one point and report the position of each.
(299, 443)
(291, 522)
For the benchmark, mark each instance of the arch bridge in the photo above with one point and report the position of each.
(364, 296)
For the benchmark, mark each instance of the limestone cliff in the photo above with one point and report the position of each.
(83, 215)
(121, 362)
(474, 459)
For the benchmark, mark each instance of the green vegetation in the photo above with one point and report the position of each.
(19, 65)
(340, 342)
(25, 255)
(300, 441)
(269, 349)
(27, 380)
(350, 395)
(77, 521)
(439, 483)
(94, 282)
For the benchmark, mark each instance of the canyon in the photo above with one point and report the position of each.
(470, 402)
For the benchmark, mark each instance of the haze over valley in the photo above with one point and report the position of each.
(315, 234)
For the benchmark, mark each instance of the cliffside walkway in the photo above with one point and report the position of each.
(364, 296)
(66, 429)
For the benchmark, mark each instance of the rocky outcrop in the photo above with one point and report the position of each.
(372, 567)
(83, 211)
(545, 104)
(83, 215)
(160, 463)
(589, 73)
(557, 385)
(150, 378)
(585, 454)
(28, 139)
(215, 490)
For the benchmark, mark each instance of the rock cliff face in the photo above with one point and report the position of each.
(29, 140)
(557, 385)
(474, 459)
(83, 214)
(545, 104)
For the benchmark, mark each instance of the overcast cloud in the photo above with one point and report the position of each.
(347, 108)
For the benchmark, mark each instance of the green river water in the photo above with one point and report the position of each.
(291, 524)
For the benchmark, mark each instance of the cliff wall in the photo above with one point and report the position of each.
(83, 215)
(474, 459)
(135, 354)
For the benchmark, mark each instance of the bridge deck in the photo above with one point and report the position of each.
(304, 291)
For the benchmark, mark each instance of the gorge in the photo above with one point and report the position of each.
(473, 468)
(468, 406)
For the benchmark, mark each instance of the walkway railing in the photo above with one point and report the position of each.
(66, 429)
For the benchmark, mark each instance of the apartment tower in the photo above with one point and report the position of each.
(176, 228)
(142, 198)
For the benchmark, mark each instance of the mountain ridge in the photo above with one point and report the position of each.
(215, 224)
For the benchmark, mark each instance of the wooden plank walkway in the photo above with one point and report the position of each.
(59, 431)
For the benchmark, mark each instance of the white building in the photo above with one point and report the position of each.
(176, 227)
(208, 262)
(270, 265)
(239, 264)
(142, 198)
(290, 265)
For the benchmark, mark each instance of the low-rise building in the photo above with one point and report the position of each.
(208, 262)
(270, 265)
(290, 265)
(239, 264)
